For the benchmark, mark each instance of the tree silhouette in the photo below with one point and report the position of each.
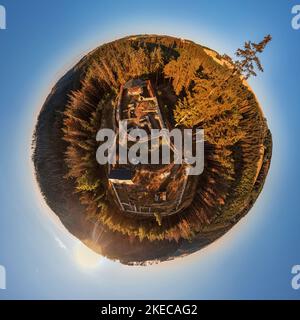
(248, 60)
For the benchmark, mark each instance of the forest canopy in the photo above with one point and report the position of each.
(196, 88)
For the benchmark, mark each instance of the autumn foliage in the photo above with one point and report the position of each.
(198, 88)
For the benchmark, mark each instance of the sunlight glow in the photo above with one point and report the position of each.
(85, 257)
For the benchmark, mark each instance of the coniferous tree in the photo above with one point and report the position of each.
(247, 58)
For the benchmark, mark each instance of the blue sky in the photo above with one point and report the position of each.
(45, 38)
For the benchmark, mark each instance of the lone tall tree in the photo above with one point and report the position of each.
(248, 59)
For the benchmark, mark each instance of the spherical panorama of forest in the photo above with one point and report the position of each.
(145, 213)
